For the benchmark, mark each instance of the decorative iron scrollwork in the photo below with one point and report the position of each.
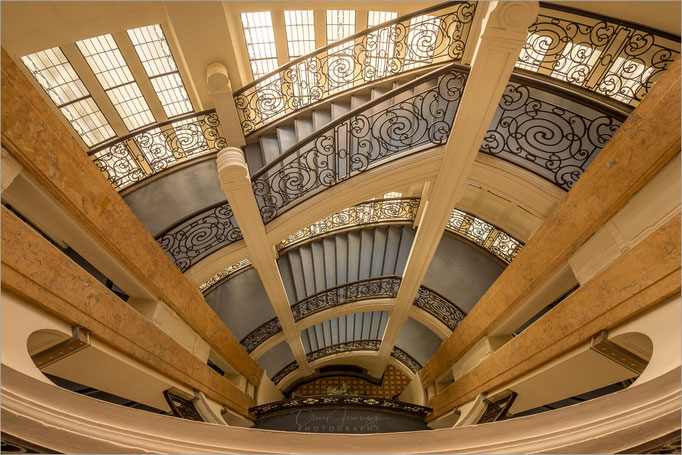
(338, 400)
(371, 212)
(604, 55)
(137, 156)
(349, 346)
(260, 334)
(555, 142)
(370, 288)
(284, 372)
(355, 142)
(406, 359)
(405, 43)
(440, 307)
(215, 279)
(484, 234)
(192, 239)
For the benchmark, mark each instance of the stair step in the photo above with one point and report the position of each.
(294, 258)
(392, 248)
(378, 251)
(406, 240)
(308, 269)
(339, 109)
(286, 135)
(254, 157)
(376, 93)
(321, 118)
(341, 259)
(318, 264)
(357, 101)
(304, 128)
(353, 255)
(366, 241)
(269, 146)
(329, 261)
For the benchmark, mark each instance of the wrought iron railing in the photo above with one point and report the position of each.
(549, 131)
(389, 210)
(139, 155)
(484, 234)
(614, 58)
(337, 400)
(371, 288)
(349, 346)
(437, 305)
(223, 274)
(435, 34)
(360, 139)
(199, 234)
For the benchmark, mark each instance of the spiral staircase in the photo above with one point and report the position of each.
(311, 242)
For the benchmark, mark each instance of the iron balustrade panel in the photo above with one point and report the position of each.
(371, 288)
(371, 212)
(199, 235)
(484, 234)
(553, 137)
(140, 155)
(223, 274)
(433, 35)
(331, 400)
(284, 372)
(260, 334)
(440, 307)
(603, 55)
(357, 141)
(349, 346)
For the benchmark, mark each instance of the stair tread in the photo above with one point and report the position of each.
(286, 136)
(270, 147)
(303, 127)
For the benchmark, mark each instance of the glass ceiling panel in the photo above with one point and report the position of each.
(57, 77)
(152, 47)
(260, 42)
(379, 17)
(300, 28)
(111, 70)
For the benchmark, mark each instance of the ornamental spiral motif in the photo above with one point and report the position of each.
(382, 403)
(433, 35)
(555, 142)
(437, 305)
(353, 145)
(158, 147)
(614, 59)
(190, 241)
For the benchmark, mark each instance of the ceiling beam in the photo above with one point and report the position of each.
(505, 29)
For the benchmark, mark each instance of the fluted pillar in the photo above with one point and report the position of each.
(236, 184)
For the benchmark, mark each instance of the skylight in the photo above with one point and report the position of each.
(300, 28)
(340, 24)
(379, 17)
(110, 68)
(57, 77)
(260, 42)
(154, 52)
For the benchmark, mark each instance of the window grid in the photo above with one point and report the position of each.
(260, 42)
(107, 63)
(379, 17)
(56, 76)
(157, 59)
(300, 29)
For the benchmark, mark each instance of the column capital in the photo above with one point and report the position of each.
(511, 16)
(217, 79)
(233, 172)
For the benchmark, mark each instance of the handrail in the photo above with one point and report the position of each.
(348, 39)
(383, 51)
(383, 98)
(148, 128)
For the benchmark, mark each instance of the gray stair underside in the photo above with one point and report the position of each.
(345, 257)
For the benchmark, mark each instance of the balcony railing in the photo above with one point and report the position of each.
(362, 138)
(371, 288)
(349, 346)
(429, 36)
(142, 154)
(611, 57)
